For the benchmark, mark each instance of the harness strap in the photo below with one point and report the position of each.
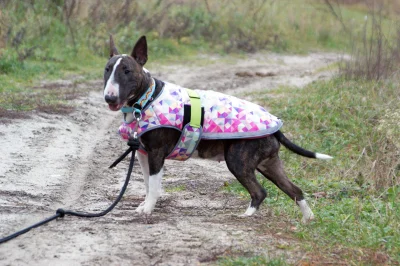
(195, 109)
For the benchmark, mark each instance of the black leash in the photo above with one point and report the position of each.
(60, 213)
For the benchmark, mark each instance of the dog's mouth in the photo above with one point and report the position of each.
(118, 106)
(115, 107)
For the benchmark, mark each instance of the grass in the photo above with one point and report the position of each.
(358, 214)
(21, 81)
(43, 46)
(357, 219)
(251, 261)
(22, 88)
(179, 188)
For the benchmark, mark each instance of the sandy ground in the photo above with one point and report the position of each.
(52, 161)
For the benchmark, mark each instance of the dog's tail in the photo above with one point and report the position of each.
(299, 150)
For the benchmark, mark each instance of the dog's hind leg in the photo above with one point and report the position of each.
(144, 165)
(242, 165)
(272, 168)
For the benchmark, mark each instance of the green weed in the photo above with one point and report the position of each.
(359, 208)
(175, 189)
(251, 261)
(48, 40)
(22, 89)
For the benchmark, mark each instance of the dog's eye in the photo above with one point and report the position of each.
(127, 71)
(107, 69)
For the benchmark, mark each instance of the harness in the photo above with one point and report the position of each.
(199, 114)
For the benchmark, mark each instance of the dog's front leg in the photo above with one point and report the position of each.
(155, 161)
(144, 165)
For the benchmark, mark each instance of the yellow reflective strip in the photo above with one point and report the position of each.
(195, 109)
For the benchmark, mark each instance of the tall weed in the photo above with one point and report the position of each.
(375, 43)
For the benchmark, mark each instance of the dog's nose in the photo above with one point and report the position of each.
(110, 98)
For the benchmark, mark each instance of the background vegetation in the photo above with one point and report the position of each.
(354, 117)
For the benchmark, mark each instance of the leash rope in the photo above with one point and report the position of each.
(60, 213)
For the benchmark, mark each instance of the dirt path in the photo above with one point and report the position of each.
(52, 161)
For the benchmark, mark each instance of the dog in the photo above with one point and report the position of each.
(126, 81)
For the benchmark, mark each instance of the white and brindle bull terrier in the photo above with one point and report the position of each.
(172, 122)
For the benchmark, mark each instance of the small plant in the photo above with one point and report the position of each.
(9, 63)
(178, 188)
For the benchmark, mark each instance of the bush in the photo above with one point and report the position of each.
(227, 26)
(10, 64)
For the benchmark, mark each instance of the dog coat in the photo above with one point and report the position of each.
(225, 117)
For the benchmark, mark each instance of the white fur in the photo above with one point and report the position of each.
(154, 192)
(250, 211)
(145, 70)
(112, 88)
(307, 212)
(144, 165)
(323, 156)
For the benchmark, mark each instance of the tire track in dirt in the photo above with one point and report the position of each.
(62, 161)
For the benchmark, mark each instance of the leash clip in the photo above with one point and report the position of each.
(135, 133)
(138, 114)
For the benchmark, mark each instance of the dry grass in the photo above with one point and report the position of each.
(375, 56)
(7, 116)
(375, 53)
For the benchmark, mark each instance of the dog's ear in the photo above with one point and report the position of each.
(113, 50)
(139, 52)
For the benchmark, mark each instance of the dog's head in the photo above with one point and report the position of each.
(125, 79)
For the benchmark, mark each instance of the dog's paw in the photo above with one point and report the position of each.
(306, 220)
(148, 208)
(249, 212)
(140, 208)
(308, 215)
(145, 208)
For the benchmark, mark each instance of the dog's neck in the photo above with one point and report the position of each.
(145, 85)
